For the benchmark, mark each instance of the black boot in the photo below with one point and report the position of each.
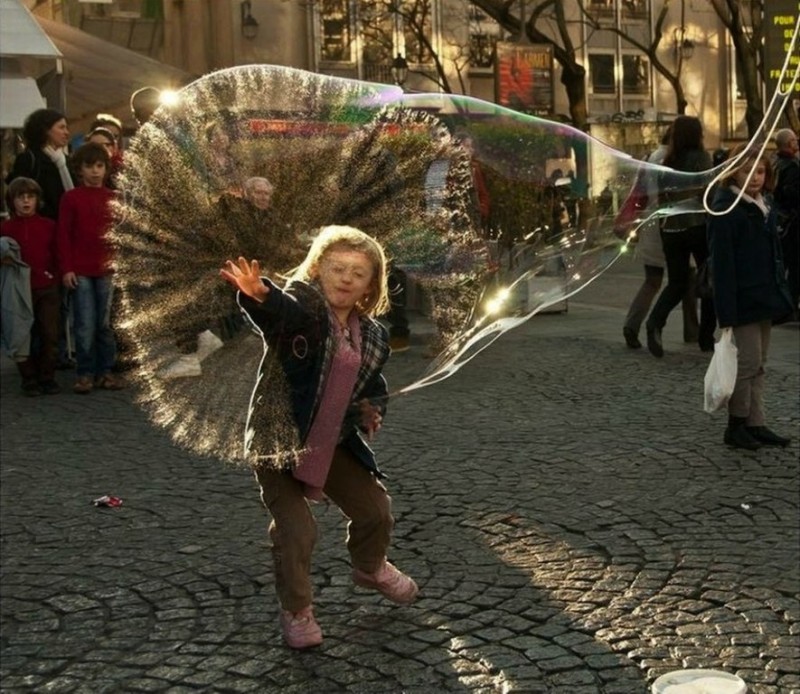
(737, 435)
(706, 343)
(654, 342)
(767, 437)
(631, 338)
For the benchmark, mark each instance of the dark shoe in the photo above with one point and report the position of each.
(737, 435)
(706, 343)
(654, 342)
(767, 437)
(631, 338)
(31, 389)
(50, 388)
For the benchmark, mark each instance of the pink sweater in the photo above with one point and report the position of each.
(315, 461)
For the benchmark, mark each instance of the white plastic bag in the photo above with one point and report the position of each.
(721, 374)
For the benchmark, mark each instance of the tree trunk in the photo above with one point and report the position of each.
(573, 77)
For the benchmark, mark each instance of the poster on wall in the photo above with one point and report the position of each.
(780, 17)
(524, 77)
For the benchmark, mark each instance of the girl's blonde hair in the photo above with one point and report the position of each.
(769, 170)
(345, 238)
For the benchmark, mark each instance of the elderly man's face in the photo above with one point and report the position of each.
(791, 146)
(260, 194)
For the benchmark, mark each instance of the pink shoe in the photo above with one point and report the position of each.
(300, 629)
(390, 581)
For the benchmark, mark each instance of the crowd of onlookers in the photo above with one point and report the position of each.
(55, 245)
(57, 288)
(744, 249)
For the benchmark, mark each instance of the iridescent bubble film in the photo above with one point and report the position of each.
(491, 214)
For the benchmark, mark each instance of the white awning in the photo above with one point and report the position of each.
(25, 53)
(20, 96)
(20, 35)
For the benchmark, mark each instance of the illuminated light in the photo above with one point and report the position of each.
(494, 304)
(169, 98)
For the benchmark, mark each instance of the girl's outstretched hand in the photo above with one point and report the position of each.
(246, 277)
(370, 418)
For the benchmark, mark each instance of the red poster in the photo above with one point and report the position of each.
(524, 77)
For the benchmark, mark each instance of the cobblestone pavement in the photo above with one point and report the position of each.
(571, 515)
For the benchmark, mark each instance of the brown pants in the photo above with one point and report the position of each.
(41, 365)
(752, 341)
(293, 530)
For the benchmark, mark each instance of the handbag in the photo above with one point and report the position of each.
(720, 378)
(630, 211)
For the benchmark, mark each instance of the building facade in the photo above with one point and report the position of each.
(448, 45)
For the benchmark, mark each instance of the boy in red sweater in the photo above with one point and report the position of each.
(36, 236)
(84, 256)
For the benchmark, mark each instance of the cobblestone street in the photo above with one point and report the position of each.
(572, 517)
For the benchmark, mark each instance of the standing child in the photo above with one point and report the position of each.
(36, 237)
(749, 292)
(84, 257)
(331, 351)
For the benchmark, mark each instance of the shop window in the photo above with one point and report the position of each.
(601, 70)
(601, 9)
(635, 75)
(335, 44)
(635, 9)
(484, 33)
(376, 24)
(417, 22)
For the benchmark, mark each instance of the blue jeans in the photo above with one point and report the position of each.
(95, 345)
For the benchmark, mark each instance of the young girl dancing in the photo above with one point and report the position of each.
(329, 352)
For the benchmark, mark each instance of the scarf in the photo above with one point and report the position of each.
(58, 157)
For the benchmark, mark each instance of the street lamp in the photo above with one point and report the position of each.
(249, 23)
(399, 70)
(686, 48)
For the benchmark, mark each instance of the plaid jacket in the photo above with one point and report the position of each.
(294, 323)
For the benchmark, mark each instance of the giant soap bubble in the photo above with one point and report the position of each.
(492, 216)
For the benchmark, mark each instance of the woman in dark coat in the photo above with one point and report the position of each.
(683, 235)
(750, 291)
(44, 158)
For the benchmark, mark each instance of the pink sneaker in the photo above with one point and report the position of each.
(390, 581)
(300, 629)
